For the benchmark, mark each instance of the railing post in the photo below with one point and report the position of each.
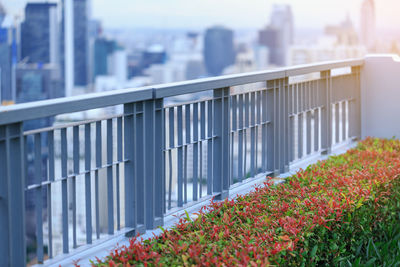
(153, 136)
(133, 154)
(285, 124)
(355, 106)
(159, 162)
(221, 155)
(12, 196)
(326, 116)
(272, 129)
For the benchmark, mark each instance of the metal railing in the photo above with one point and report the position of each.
(124, 172)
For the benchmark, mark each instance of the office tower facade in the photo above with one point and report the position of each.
(40, 34)
(219, 50)
(5, 60)
(279, 35)
(282, 19)
(8, 58)
(271, 38)
(368, 24)
(103, 48)
(81, 42)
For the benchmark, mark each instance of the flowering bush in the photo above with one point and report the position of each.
(322, 215)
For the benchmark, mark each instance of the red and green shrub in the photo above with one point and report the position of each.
(315, 218)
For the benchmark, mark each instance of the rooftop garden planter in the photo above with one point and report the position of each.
(343, 211)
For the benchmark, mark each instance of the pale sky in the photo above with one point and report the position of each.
(231, 13)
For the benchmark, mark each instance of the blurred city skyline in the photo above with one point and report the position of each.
(196, 14)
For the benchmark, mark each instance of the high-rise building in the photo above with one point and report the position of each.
(2, 13)
(39, 34)
(344, 33)
(279, 35)
(368, 24)
(81, 42)
(5, 60)
(282, 19)
(271, 38)
(8, 58)
(103, 48)
(219, 51)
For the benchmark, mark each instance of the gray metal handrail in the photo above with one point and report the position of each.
(153, 158)
(44, 108)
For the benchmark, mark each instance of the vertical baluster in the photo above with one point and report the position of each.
(283, 111)
(337, 122)
(50, 140)
(343, 119)
(326, 115)
(258, 122)
(129, 166)
(88, 184)
(195, 150)
(264, 131)
(12, 196)
(164, 149)
(96, 174)
(277, 126)
(226, 129)
(180, 156)
(240, 140)
(110, 182)
(316, 129)
(209, 147)
(39, 197)
(291, 122)
(246, 126)
(295, 120)
(5, 253)
(140, 175)
(188, 139)
(285, 116)
(202, 137)
(346, 119)
(270, 107)
(221, 143)
(75, 153)
(234, 129)
(300, 120)
(316, 116)
(171, 145)
(64, 189)
(252, 134)
(159, 161)
(149, 121)
(119, 159)
(140, 167)
(308, 117)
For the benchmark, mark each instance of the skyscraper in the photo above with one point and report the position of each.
(271, 38)
(81, 42)
(368, 24)
(103, 48)
(219, 51)
(39, 34)
(5, 60)
(279, 35)
(282, 19)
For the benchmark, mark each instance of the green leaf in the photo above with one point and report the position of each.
(314, 251)
(188, 217)
(370, 262)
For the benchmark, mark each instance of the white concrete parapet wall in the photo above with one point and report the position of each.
(380, 96)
